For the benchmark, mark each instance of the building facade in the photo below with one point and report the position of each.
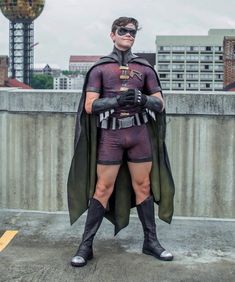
(189, 63)
(68, 82)
(5, 81)
(3, 70)
(82, 63)
(229, 62)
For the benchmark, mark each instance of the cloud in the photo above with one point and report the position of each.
(82, 27)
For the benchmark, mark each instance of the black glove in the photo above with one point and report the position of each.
(136, 97)
(102, 104)
(154, 103)
(140, 98)
(126, 98)
(151, 102)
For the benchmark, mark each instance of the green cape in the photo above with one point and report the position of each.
(82, 174)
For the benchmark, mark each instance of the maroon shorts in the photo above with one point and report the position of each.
(133, 140)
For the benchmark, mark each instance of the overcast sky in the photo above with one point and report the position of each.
(76, 27)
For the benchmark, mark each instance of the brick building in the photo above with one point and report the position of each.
(229, 63)
(9, 82)
(3, 70)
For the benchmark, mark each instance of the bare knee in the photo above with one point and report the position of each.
(103, 191)
(142, 190)
(142, 185)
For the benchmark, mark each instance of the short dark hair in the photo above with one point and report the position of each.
(123, 21)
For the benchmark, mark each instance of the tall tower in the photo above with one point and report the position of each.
(21, 14)
(229, 60)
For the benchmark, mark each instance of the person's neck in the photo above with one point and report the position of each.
(123, 56)
(120, 49)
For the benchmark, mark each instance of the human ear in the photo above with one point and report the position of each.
(112, 35)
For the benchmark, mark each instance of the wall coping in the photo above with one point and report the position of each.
(66, 101)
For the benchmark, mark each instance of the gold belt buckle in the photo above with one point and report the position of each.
(124, 114)
(123, 89)
(124, 68)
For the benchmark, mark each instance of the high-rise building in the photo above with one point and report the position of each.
(229, 61)
(192, 62)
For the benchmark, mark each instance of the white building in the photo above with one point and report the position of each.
(82, 63)
(191, 62)
(68, 82)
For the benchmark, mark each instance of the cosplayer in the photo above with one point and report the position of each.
(120, 158)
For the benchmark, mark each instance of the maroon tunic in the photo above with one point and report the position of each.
(105, 79)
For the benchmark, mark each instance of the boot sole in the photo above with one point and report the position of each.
(156, 256)
(81, 264)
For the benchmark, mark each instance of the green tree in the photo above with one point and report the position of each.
(67, 72)
(42, 81)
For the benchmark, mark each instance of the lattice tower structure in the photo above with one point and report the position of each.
(21, 14)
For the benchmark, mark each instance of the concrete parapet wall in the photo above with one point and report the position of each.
(36, 147)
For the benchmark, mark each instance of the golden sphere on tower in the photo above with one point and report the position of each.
(22, 10)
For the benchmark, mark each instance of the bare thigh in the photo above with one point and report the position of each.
(106, 176)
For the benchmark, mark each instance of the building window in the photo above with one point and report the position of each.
(164, 48)
(166, 85)
(164, 57)
(177, 67)
(218, 85)
(178, 58)
(163, 67)
(192, 67)
(178, 48)
(218, 48)
(192, 85)
(192, 76)
(192, 58)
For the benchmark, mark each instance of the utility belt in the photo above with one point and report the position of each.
(114, 123)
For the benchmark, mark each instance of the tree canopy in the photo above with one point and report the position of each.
(42, 81)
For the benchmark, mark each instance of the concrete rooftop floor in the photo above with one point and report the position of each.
(204, 250)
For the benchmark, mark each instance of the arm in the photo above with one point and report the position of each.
(152, 102)
(155, 102)
(95, 105)
(90, 98)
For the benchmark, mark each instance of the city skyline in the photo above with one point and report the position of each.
(57, 41)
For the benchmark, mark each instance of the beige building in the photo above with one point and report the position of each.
(82, 63)
(191, 63)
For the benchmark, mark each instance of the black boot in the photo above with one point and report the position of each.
(151, 245)
(94, 218)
